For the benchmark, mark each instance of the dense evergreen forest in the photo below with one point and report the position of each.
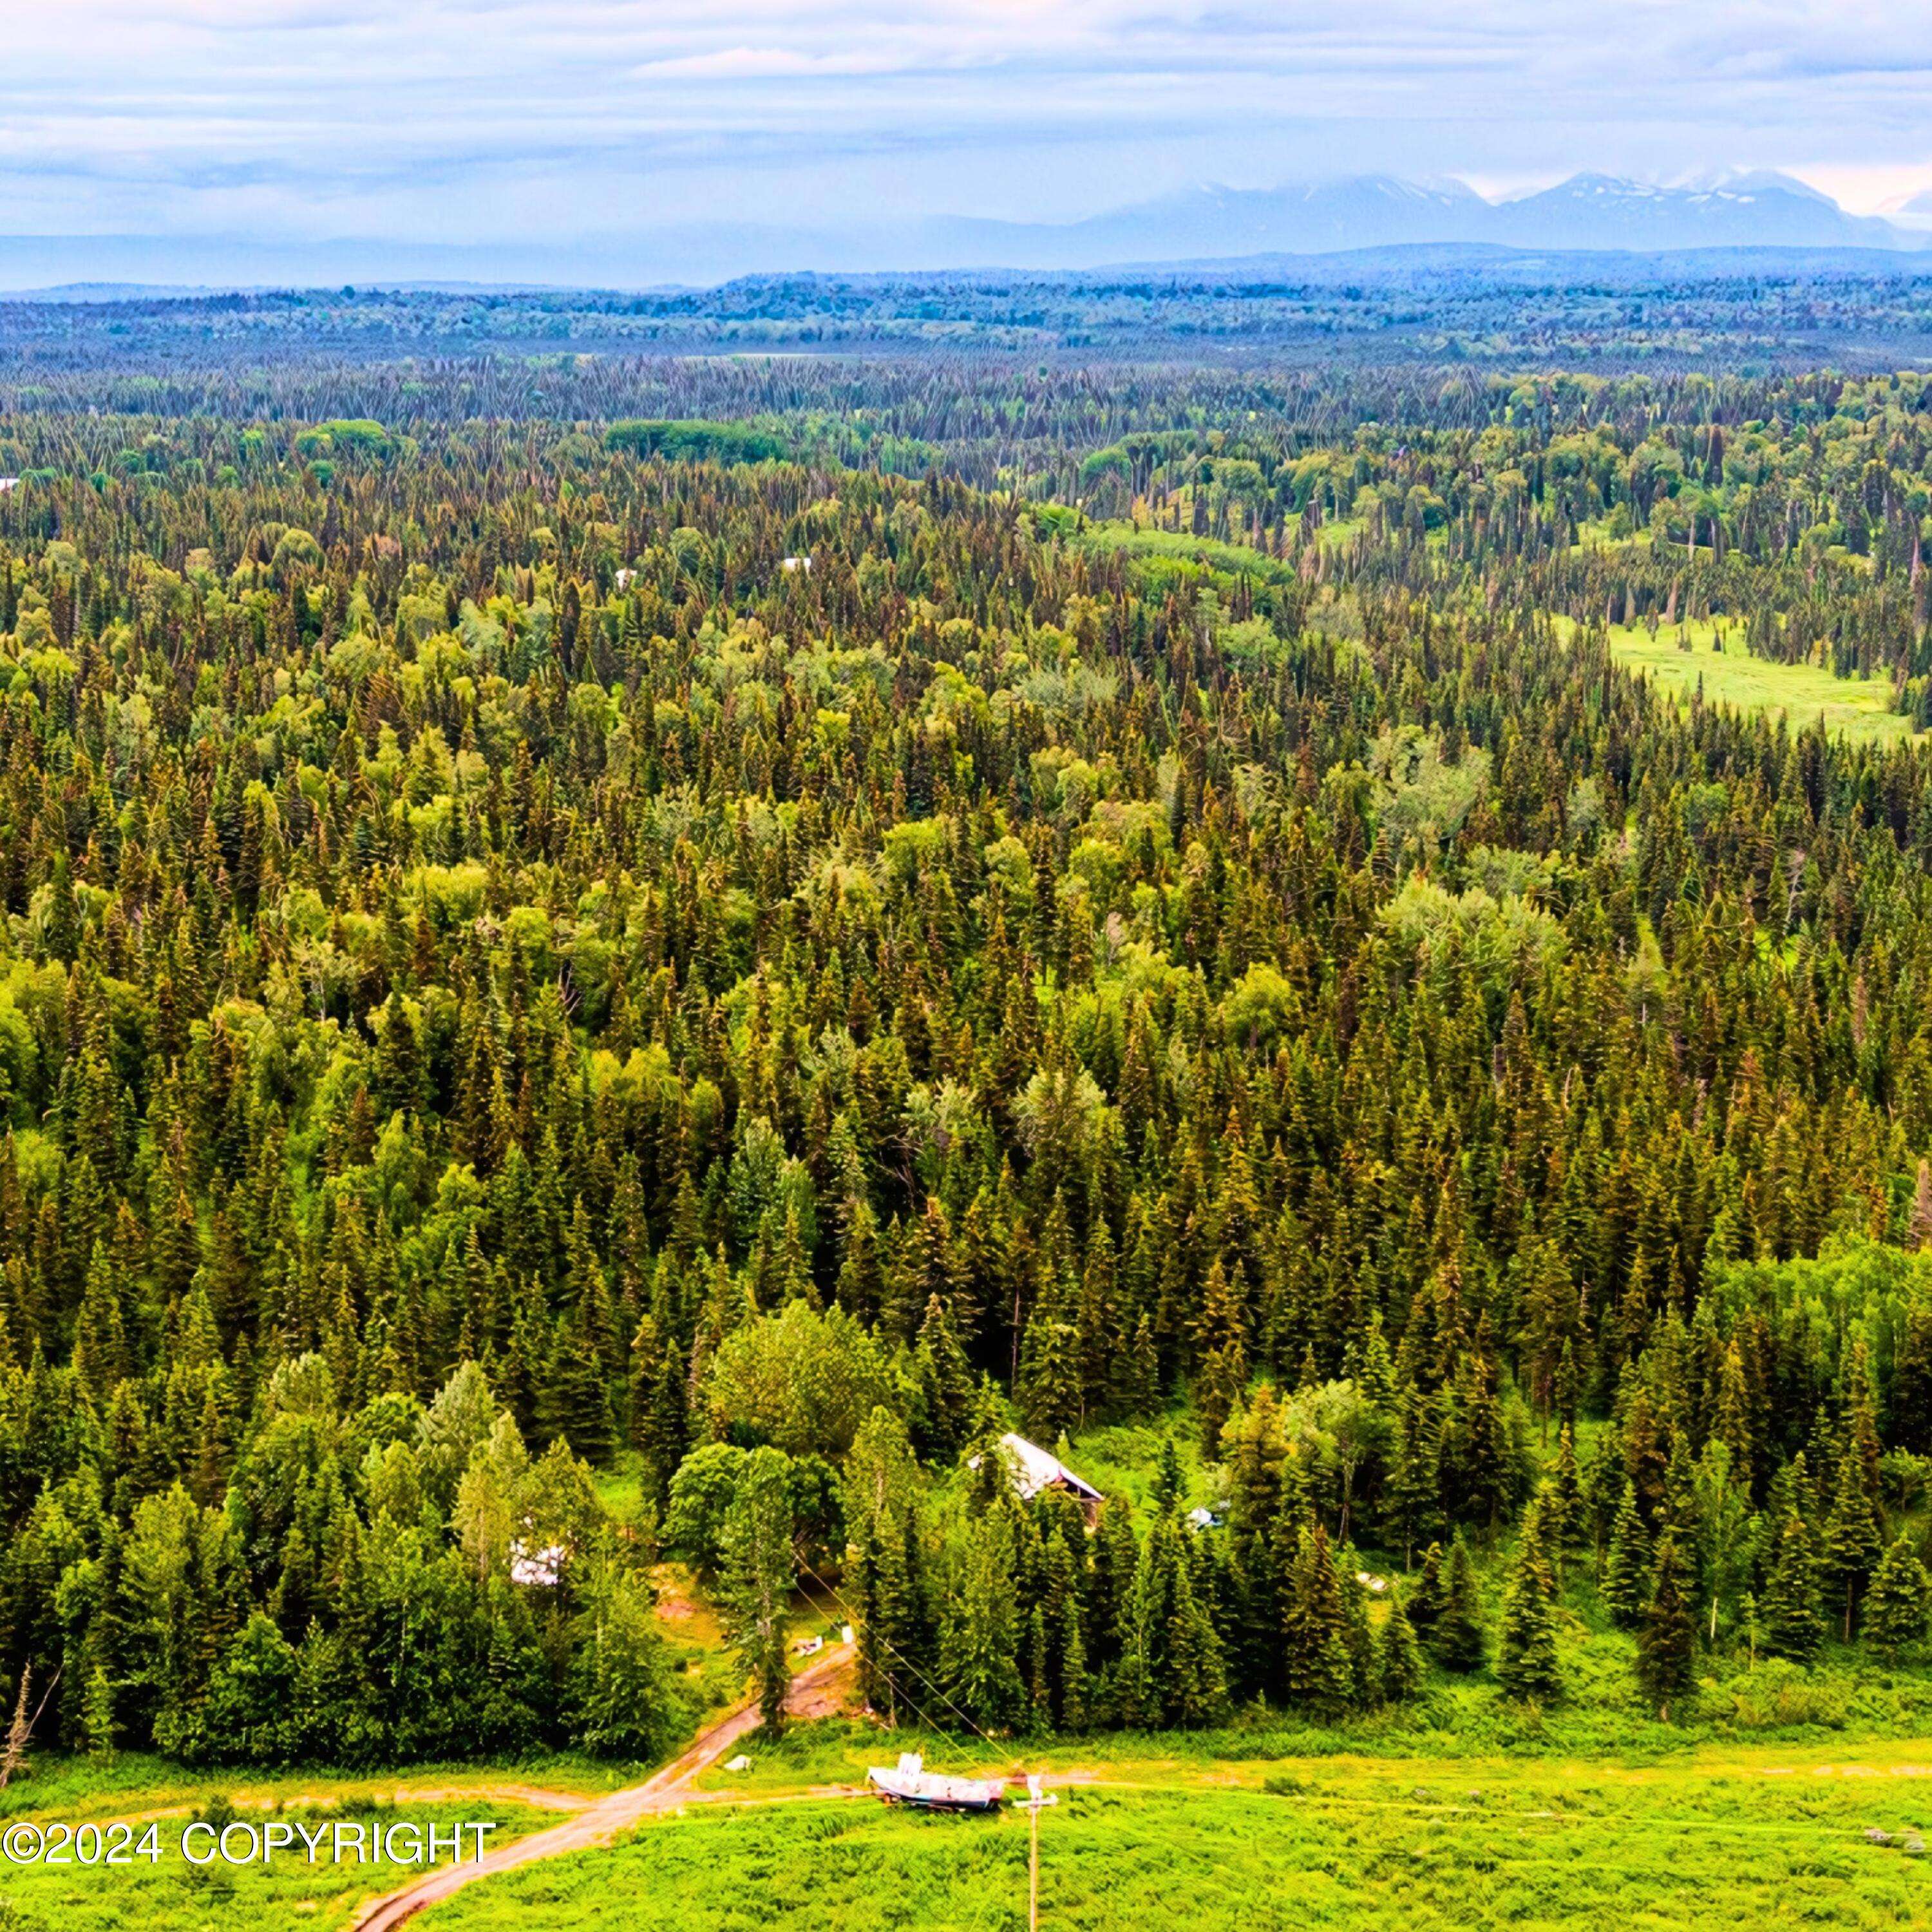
(1720, 309)
(651, 968)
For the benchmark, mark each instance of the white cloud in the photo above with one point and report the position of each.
(463, 119)
(741, 64)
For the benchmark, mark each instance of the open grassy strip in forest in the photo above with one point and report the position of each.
(1683, 658)
(1559, 1852)
(835, 1755)
(134, 1783)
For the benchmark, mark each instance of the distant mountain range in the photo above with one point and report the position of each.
(1587, 212)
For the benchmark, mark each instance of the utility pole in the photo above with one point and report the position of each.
(1034, 1803)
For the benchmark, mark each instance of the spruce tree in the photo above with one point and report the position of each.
(980, 1657)
(1426, 1605)
(573, 1403)
(660, 1426)
(1900, 1601)
(627, 1701)
(1628, 1564)
(1364, 1660)
(1051, 1395)
(915, 1633)
(1135, 1379)
(1400, 1656)
(1853, 1543)
(1526, 1662)
(1569, 1515)
(1912, 1375)
(1194, 1685)
(1413, 1492)
(984, 1453)
(1223, 1375)
(97, 1728)
(1072, 1671)
(945, 1382)
(1175, 1671)
(1459, 1639)
(1667, 1641)
(1794, 1622)
(876, 1585)
(1106, 1628)
(101, 1354)
(756, 1575)
(1062, 1639)
(1039, 1672)
(1169, 1484)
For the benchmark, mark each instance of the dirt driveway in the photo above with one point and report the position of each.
(598, 1824)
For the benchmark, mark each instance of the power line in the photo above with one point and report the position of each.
(1034, 1802)
(923, 1717)
(879, 1636)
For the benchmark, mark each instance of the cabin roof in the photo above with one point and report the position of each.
(1035, 1470)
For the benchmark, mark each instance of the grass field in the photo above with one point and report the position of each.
(1247, 1827)
(172, 1894)
(1858, 707)
(1146, 544)
(134, 1783)
(1757, 1838)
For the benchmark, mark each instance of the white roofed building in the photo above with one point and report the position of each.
(1035, 1470)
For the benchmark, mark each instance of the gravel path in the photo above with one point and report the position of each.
(601, 1821)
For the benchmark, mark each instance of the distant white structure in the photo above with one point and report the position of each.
(9, 483)
(1034, 1470)
(803, 563)
(542, 1566)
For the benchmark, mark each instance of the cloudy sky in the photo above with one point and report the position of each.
(546, 124)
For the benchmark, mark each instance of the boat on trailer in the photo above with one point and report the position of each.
(909, 1783)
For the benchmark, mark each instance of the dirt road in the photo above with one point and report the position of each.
(600, 1823)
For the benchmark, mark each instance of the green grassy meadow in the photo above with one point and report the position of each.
(1856, 707)
(1555, 1823)
(1762, 1842)
(172, 1894)
(134, 1783)
(1146, 543)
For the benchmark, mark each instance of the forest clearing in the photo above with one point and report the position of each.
(1686, 658)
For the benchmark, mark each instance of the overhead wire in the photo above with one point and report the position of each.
(879, 1636)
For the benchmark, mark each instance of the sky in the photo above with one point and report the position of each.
(450, 131)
